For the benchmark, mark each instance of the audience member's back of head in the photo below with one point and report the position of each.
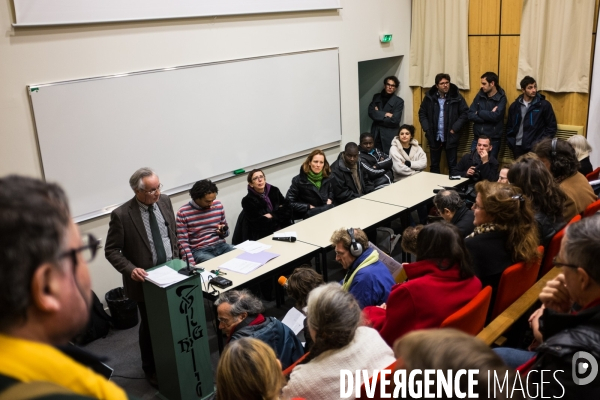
(583, 245)
(301, 282)
(249, 369)
(409, 239)
(580, 145)
(562, 159)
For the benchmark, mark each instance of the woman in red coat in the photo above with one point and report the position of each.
(439, 284)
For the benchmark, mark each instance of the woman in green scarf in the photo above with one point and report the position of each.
(312, 191)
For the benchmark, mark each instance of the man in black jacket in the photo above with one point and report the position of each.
(478, 165)
(487, 112)
(453, 209)
(377, 164)
(530, 119)
(352, 179)
(442, 114)
(571, 340)
(386, 112)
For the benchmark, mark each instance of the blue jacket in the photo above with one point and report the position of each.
(485, 121)
(371, 285)
(539, 122)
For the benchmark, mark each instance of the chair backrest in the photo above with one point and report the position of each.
(471, 317)
(515, 281)
(592, 176)
(554, 247)
(377, 391)
(591, 209)
(288, 370)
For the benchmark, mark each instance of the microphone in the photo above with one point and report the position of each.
(283, 281)
(290, 239)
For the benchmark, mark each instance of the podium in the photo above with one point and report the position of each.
(179, 336)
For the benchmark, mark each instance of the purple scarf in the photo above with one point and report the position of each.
(264, 195)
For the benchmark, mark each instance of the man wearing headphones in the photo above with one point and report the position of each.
(367, 278)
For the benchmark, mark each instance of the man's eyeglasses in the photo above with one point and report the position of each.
(444, 83)
(88, 250)
(390, 85)
(557, 263)
(153, 191)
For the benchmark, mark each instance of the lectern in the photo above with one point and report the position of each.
(179, 337)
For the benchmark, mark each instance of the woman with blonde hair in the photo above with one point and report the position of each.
(582, 151)
(248, 369)
(312, 191)
(505, 231)
(334, 320)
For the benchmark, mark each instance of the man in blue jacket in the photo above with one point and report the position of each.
(530, 119)
(367, 278)
(487, 112)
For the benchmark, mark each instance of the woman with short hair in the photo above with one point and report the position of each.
(340, 342)
(407, 156)
(312, 191)
(505, 231)
(582, 152)
(440, 282)
(547, 199)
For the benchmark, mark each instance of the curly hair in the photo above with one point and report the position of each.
(564, 164)
(409, 128)
(511, 210)
(537, 183)
(342, 236)
(202, 188)
(409, 239)
(301, 282)
(334, 315)
(306, 163)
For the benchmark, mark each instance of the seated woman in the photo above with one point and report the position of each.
(439, 284)
(547, 199)
(312, 190)
(339, 342)
(560, 159)
(407, 156)
(249, 369)
(505, 231)
(582, 152)
(265, 208)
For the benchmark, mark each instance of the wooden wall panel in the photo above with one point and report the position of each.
(509, 64)
(484, 17)
(570, 108)
(483, 57)
(417, 93)
(511, 17)
(596, 16)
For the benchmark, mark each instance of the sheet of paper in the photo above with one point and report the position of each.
(164, 276)
(240, 266)
(250, 246)
(294, 319)
(285, 234)
(261, 258)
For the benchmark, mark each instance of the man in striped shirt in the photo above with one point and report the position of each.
(201, 224)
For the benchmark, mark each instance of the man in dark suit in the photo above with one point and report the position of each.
(140, 236)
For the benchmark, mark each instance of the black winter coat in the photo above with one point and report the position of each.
(259, 226)
(456, 113)
(346, 188)
(539, 122)
(378, 166)
(564, 335)
(486, 122)
(488, 171)
(490, 257)
(463, 220)
(384, 129)
(302, 194)
(547, 227)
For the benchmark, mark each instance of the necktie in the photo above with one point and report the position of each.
(161, 254)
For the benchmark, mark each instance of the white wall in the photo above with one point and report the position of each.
(41, 55)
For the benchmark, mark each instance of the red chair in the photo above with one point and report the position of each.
(554, 247)
(288, 370)
(592, 176)
(377, 392)
(471, 317)
(591, 209)
(515, 281)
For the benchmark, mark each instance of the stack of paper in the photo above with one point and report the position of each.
(294, 319)
(164, 276)
(250, 246)
(248, 262)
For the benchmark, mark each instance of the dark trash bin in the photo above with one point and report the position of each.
(122, 309)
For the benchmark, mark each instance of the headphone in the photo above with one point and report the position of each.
(554, 148)
(356, 248)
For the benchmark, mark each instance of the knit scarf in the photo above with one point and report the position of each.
(29, 361)
(264, 195)
(315, 179)
(487, 227)
(370, 259)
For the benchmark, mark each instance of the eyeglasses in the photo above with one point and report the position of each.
(477, 207)
(444, 83)
(557, 263)
(88, 250)
(258, 178)
(390, 85)
(153, 191)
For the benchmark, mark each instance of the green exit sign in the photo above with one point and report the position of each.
(386, 38)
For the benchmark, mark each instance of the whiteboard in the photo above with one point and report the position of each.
(187, 123)
(60, 12)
